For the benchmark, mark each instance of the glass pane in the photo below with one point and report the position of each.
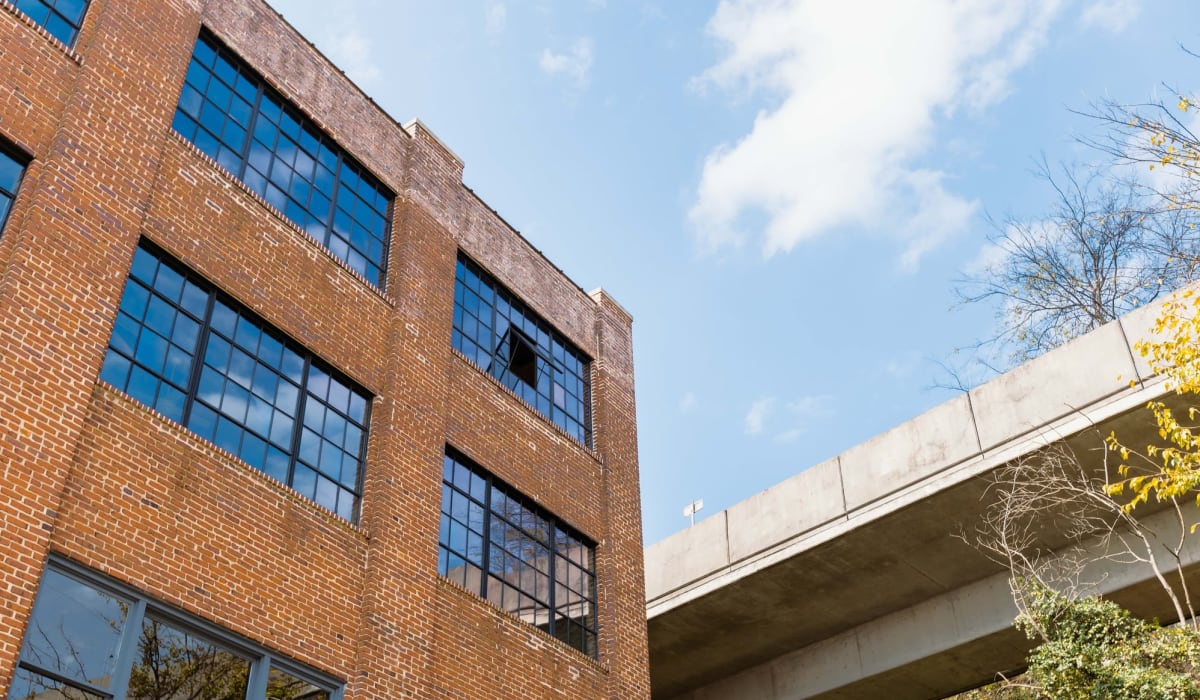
(31, 686)
(282, 685)
(75, 630)
(172, 663)
(10, 172)
(72, 10)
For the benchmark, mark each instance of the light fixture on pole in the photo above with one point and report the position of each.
(693, 508)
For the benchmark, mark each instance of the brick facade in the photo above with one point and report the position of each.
(92, 476)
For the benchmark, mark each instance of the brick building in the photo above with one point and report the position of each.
(286, 411)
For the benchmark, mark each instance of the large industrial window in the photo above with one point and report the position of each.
(498, 544)
(11, 170)
(59, 17)
(230, 113)
(90, 638)
(513, 344)
(191, 353)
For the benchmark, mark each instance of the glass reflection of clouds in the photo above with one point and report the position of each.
(185, 350)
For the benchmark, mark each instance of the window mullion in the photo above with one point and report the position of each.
(333, 195)
(129, 648)
(192, 392)
(260, 671)
(298, 426)
(487, 537)
(553, 573)
(250, 127)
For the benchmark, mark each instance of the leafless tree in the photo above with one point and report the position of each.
(1050, 520)
(1154, 135)
(1106, 247)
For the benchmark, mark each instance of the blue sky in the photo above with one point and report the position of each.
(782, 192)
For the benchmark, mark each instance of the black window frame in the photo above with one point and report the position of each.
(49, 16)
(137, 608)
(472, 503)
(302, 172)
(10, 157)
(493, 328)
(211, 359)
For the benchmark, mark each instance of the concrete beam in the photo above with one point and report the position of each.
(867, 534)
(946, 633)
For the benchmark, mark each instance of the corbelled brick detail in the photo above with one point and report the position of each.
(90, 474)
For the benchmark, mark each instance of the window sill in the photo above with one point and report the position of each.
(550, 641)
(54, 41)
(225, 457)
(304, 235)
(532, 411)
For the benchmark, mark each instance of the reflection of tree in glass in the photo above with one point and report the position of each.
(72, 640)
(284, 686)
(174, 665)
(32, 686)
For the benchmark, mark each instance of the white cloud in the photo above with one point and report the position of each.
(350, 50)
(688, 402)
(935, 216)
(856, 108)
(652, 12)
(1111, 15)
(757, 415)
(994, 255)
(785, 421)
(990, 257)
(575, 63)
(497, 18)
(338, 37)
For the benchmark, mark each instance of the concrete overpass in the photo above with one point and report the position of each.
(845, 580)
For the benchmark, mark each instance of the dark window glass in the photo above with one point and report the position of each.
(73, 639)
(59, 17)
(282, 685)
(230, 113)
(516, 346)
(496, 543)
(185, 350)
(86, 642)
(172, 663)
(11, 170)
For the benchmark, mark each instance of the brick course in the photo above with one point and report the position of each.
(91, 475)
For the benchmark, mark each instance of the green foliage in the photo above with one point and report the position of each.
(1092, 649)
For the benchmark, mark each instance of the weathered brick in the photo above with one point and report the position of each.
(89, 474)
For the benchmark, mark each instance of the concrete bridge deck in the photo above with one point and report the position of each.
(845, 581)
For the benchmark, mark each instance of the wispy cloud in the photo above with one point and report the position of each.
(757, 415)
(1111, 15)
(575, 63)
(350, 49)
(785, 421)
(497, 18)
(856, 106)
(688, 402)
(652, 12)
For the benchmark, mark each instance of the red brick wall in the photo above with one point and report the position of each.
(90, 474)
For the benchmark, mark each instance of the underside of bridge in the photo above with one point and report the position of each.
(849, 580)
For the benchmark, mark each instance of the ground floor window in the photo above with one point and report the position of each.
(90, 638)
